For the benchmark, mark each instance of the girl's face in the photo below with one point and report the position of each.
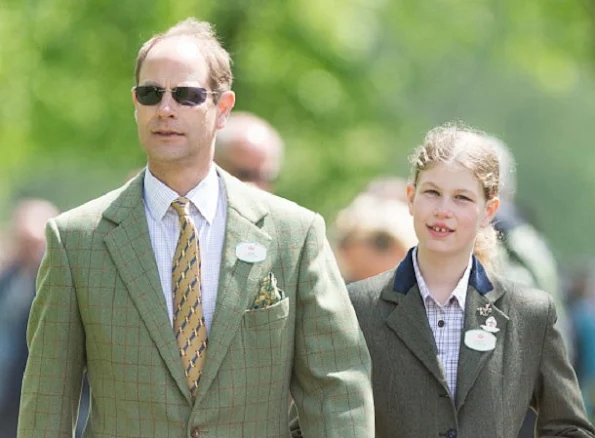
(448, 208)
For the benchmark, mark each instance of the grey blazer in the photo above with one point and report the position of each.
(528, 367)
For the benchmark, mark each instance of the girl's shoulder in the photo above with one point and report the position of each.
(371, 288)
(522, 300)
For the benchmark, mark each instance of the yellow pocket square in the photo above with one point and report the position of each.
(269, 293)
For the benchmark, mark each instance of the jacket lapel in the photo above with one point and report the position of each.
(410, 323)
(471, 362)
(244, 221)
(130, 248)
(409, 320)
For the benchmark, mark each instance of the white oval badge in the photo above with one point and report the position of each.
(251, 252)
(480, 340)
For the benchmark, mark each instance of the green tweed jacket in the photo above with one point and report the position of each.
(100, 308)
(527, 368)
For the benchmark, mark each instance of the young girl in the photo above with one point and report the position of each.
(457, 351)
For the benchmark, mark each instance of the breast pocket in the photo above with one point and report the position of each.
(267, 348)
(268, 315)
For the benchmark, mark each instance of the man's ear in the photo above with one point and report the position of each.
(224, 106)
(135, 103)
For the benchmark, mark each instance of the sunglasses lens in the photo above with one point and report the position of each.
(189, 96)
(148, 95)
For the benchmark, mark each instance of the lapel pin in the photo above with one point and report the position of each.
(485, 310)
(251, 252)
(491, 325)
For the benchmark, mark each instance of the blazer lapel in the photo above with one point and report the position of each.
(244, 221)
(471, 362)
(130, 248)
(410, 323)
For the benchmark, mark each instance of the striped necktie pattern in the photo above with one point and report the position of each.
(189, 322)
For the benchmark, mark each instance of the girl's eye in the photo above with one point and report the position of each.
(463, 198)
(432, 192)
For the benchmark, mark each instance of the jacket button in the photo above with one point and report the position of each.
(451, 433)
(195, 432)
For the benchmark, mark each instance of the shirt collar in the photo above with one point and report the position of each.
(204, 196)
(460, 290)
(405, 276)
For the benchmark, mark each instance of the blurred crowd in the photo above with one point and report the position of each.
(370, 235)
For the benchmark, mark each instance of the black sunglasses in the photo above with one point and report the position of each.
(189, 96)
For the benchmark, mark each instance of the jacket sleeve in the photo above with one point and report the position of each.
(55, 337)
(557, 398)
(331, 375)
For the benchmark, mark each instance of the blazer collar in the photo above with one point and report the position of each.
(405, 276)
(126, 199)
(239, 198)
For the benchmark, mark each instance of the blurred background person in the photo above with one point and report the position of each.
(17, 289)
(372, 234)
(524, 255)
(250, 149)
(581, 298)
(389, 187)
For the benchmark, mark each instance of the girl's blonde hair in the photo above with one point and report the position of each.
(470, 148)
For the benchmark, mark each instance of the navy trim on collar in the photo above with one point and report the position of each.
(405, 276)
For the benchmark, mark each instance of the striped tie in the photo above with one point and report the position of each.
(189, 320)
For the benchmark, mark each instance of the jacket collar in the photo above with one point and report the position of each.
(405, 276)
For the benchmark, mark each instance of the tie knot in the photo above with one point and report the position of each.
(182, 206)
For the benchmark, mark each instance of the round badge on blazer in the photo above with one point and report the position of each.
(251, 252)
(480, 340)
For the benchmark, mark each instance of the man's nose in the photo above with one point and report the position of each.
(166, 106)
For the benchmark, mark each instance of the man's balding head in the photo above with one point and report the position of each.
(250, 149)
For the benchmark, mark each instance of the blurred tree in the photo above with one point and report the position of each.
(352, 85)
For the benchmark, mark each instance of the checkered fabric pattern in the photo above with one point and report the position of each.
(100, 307)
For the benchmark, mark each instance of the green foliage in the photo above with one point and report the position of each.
(352, 85)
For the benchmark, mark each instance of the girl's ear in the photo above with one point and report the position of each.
(490, 211)
(410, 191)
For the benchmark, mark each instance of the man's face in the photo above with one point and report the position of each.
(172, 133)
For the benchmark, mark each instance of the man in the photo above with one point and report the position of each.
(17, 289)
(196, 303)
(250, 149)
